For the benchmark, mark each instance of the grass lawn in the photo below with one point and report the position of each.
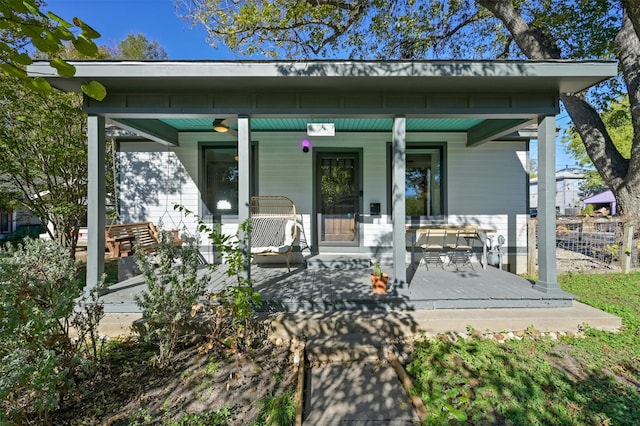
(589, 380)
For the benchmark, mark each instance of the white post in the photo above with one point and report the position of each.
(244, 179)
(96, 193)
(398, 199)
(547, 266)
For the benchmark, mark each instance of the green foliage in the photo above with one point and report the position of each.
(47, 329)
(588, 210)
(137, 46)
(377, 271)
(539, 380)
(43, 151)
(174, 286)
(23, 24)
(220, 417)
(232, 309)
(278, 410)
(404, 29)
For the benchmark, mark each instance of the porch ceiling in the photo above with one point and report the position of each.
(479, 130)
(341, 124)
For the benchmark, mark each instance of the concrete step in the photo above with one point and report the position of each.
(356, 393)
(338, 262)
(347, 348)
(397, 324)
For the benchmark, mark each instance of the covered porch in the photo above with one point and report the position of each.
(466, 114)
(333, 283)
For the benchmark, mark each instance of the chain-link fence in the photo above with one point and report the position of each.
(597, 244)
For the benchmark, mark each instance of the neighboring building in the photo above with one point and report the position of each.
(7, 223)
(12, 220)
(568, 193)
(604, 199)
(390, 144)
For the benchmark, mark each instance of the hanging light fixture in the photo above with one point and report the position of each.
(219, 126)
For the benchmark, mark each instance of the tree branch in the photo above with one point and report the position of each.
(533, 43)
(536, 45)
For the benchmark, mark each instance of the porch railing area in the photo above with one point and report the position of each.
(583, 243)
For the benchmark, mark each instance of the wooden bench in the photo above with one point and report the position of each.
(121, 240)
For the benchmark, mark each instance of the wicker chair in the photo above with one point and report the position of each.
(274, 227)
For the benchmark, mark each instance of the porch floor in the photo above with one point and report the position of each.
(319, 290)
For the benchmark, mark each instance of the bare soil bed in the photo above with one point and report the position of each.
(128, 389)
(571, 261)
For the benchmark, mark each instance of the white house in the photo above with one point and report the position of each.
(568, 193)
(390, 144)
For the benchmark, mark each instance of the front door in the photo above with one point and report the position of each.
(338, 198)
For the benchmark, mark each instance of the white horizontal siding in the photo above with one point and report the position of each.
(485, 185)
(284, 169)
(152, 179)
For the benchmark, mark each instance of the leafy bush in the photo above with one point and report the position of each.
(229, 313)
(47, 329)
(171, 275)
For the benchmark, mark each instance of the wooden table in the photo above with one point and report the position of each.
(469, 231)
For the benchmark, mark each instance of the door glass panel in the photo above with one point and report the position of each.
(423, 180)
(338, 199)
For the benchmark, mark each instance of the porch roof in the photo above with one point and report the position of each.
(486, 99)
(432, 76)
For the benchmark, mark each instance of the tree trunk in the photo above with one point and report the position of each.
(620, 174)
(628, 201)
(633, 11)
(599, 145)
(627, 48)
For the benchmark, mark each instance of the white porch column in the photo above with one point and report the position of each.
(398, 199)
(547, 272)
(96, 193)
(244, 174)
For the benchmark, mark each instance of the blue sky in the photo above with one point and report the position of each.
(157, 20)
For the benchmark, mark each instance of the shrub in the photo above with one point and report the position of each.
(230, 312)
(41, 355)
(171, 275)
(175, 286)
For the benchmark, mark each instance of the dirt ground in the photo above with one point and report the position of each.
(571, 261)
(128, 390)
